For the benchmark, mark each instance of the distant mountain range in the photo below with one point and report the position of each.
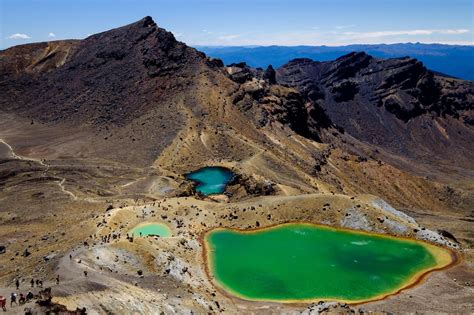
(453, 60)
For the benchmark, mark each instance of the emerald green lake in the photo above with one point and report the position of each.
(295, 262)
(211, 180)
(146, 229)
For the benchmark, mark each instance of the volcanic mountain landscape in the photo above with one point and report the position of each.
(96, 136)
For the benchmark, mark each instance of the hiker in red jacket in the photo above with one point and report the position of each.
(3, 303)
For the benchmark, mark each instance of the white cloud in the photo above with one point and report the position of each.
(177, 34)
(51, 34)
(333, 37)
(341, 27)
(451, 42)
(19, 36)
(368, 35)
(228, 37)
(451, 32)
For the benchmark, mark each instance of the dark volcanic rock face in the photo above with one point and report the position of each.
(259, 93)
(395, 103)
(109, 78)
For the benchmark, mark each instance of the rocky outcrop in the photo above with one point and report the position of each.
(394, 103)
(254, 186)
(268, 102)
(403, 86)
(240, 72)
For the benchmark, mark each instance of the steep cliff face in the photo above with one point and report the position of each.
(272, 102)
(394, 103)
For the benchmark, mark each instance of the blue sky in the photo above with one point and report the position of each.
(246, 22)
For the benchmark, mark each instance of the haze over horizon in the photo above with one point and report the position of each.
(237, 23)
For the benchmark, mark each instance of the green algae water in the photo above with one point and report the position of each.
(211, 180)
(146, 229)
(304, 262)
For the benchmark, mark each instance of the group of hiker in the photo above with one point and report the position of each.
(106, 238)
(38, 283)
(22, 298)
(15, 299)
(130, 238)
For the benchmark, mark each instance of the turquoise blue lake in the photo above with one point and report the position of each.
(211, 180)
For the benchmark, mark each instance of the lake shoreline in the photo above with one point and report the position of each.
(203, 187)
(445, 258)
(136, 229)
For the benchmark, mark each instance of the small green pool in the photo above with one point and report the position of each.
(146, 229)
(211, 180)
(305, 262)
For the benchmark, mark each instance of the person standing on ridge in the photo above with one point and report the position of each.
(13, 299)
(17, 283)
(29, 296)
(22, 299)
(57, 279)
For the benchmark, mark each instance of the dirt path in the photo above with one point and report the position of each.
(61, 180)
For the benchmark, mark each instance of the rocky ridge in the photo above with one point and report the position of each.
(395, 104)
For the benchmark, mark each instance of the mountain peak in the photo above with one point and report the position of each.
(144, 22)
(147, 21)
(136, 29)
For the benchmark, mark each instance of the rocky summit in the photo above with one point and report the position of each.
(97, 136)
